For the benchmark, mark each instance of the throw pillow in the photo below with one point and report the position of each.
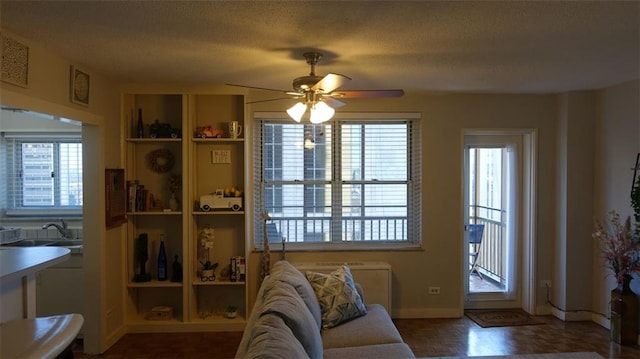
(336, 292)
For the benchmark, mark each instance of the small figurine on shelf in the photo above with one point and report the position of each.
(206, 237)
(208, 271)
(208, 132)
(163, 130)
(231, 311)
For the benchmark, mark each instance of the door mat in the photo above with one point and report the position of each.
(577, 355)
(502, 318)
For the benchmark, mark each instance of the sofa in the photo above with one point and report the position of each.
(313, 315)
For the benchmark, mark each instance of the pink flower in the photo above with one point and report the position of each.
(619, 245)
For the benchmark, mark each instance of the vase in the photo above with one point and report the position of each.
(173, 202)
(230, 315)
(207, 275)
(624, 314)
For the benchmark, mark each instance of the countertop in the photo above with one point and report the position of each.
(18, 262)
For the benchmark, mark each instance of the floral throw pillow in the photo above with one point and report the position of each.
(336, 292)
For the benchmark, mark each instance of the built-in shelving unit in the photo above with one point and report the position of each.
(196, 304)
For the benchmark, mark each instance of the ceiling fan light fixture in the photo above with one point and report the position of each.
(321, 112)
(318, 93)
(297, 111)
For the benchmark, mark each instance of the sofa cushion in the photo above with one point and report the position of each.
(374, 328)
(253, 317)
(393, 350)
(271, 338)
(336, 292)
(281, 299)
(286, 272)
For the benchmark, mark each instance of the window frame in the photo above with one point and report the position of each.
(12, 158)
(414, 175)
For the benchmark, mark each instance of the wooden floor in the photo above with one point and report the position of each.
(426, 337)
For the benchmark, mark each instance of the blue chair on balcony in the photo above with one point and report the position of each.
(475, 241)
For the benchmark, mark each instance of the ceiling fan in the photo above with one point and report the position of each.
(319, 94)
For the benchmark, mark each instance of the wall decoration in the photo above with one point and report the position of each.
(15, 62)
(79, 86)
(115, 197)
(161, 160)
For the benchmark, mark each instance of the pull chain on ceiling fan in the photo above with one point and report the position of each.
(317, 94)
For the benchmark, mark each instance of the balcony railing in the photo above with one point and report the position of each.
(492, 258)
(353, 228)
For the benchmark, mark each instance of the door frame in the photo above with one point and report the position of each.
(527, 217)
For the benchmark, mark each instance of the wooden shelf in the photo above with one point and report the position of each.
(214, 213)
(153, 140)
(155, 213)
(193, 164)
(155, 284)
(197, 281)
(220, 319)
(217, 140)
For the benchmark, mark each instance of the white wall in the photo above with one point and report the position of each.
(568, 127)
(617, 144)
(48, 92)
(440, 262)
(572, 257)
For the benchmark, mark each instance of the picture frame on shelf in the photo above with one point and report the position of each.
(115, 197)
(79, 86)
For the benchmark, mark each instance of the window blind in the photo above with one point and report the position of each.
(352, 180)
(42, 173)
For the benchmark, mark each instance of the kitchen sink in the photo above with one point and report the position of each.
(66, 243)
(52, 242)
(30, 243)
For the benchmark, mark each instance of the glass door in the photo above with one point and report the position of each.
(491, 184)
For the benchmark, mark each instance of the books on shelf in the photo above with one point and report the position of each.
(238, 269)
(139, 198)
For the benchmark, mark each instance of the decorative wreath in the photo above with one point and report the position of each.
(161, 160)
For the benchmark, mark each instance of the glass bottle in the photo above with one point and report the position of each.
(162, 260)
(140, 127)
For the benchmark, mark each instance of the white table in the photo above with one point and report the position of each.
(18, 267)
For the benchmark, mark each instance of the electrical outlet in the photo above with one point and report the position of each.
(434, 290)
(545, 283)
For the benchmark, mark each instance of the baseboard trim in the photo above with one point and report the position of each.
(572, 316)
(113, 338)
(419, 313)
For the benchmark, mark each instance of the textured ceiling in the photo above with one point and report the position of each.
(476, 46)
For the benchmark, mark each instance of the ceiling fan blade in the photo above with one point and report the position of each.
(367, 93)
(271, 99)
(333, 102)
(257, 88)
(330, 82)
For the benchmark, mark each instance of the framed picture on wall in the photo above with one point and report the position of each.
(15, 62)
(115, 197)
(79, 84)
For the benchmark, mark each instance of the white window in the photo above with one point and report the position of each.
(43, 174)
(350, 182)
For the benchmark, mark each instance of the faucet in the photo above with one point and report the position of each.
(65, 233)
